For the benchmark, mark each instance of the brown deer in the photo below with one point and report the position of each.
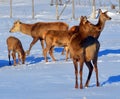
(95, 30)
(84, 51)
(58, 38)
(14, 45)
(90, 29)
(37, 30)
(84, 47)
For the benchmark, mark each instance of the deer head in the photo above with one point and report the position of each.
(16, 27)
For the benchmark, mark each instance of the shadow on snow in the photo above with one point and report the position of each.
(4, 63)
(34, 60)
(108, 51)
(101, 53)
(112, 79)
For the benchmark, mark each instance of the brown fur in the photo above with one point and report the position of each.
(84, 51)
(75, 28)
(58, 38)
(89, 29)
(37, 30)
(95, 30)
(14, 45)
(84, 47)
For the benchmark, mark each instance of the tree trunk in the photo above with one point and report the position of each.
(73, 9)
(33, 9)
(10, 8)
(93, 9)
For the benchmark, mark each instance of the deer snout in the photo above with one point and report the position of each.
(110, 18)
(10, 31)
(23, 62)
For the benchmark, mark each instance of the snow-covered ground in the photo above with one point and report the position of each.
(55, 80)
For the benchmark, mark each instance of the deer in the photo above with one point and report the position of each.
(37, 30)
(84, 50)
(93, 30)
(14, 45)
(84, 47)
(58, 38)
(90, 29)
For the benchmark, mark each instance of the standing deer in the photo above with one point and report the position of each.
(89, 29)
(84, 47)
(14, 45)
(84, 51)
(37, 30)
(56, 38)
(93, 30)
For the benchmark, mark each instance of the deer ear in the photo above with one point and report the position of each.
(106, 12)
(85, 19)
(100, 11)
(18, 21)
(81, 18)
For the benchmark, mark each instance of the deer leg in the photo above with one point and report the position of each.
(96, 71)
(9, 57)
(32, 43)
(51, 53)
(14, 58)
(67, 52)
(90, 67)
(76, 72)
(63, 51)
(45, 53)
(19, 58)
(42, 44)
(81, 72)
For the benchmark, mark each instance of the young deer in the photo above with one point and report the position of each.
(14, 45)
(37, 30)
(84, 51)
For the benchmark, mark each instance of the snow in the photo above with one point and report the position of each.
(37, 79)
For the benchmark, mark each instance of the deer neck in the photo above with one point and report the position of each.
(101, 23)
(22, 52)
(26, 28)
(71, 33)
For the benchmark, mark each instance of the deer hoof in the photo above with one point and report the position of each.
(27, 52)
(98, 84)
(76, 86)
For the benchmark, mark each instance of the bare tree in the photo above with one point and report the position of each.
(10, 8)
(73, 9)
(56, 1)
(33, 9)
(51, 2)
(93, 9)
(119, 6)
